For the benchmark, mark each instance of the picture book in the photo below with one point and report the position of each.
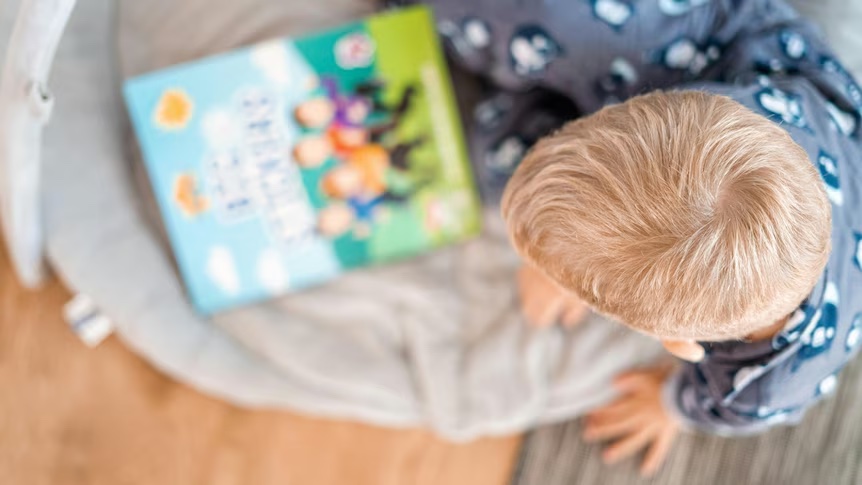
(281, 165)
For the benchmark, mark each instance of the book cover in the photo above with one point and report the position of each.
(282, 165)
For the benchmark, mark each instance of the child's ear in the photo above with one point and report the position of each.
(684, 349)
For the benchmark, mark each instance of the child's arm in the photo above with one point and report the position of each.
(738, 401)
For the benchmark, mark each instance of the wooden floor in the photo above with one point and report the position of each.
(70, 415)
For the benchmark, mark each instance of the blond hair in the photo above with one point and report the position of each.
(683, 214)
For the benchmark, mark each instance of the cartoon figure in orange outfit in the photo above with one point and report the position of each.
(345, 120)
(187, 195)
(362, 181)
(311, 151)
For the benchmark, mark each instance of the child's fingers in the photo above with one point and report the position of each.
(633, 381)
(541, 300)
(574, 313)
(612, 429)
(613, 411)
(629, 445)
(542, 312)
(658, 452)
(551, 312)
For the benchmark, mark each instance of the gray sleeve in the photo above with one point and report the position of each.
(708, 406)
(746, 400)
(741, 389)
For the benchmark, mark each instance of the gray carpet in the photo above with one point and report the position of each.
(826, 448)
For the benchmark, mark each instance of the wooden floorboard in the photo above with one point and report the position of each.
(71, 415)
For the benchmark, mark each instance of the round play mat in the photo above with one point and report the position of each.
(436, 341)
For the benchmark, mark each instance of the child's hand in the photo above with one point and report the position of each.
(637, 420)
(544, 303)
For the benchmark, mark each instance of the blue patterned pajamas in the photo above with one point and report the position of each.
(551, 59)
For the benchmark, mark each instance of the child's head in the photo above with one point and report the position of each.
(315, 113)
(342, 182)
(683, 214)
(312, 151)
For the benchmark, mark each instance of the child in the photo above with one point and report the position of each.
(722, 217)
